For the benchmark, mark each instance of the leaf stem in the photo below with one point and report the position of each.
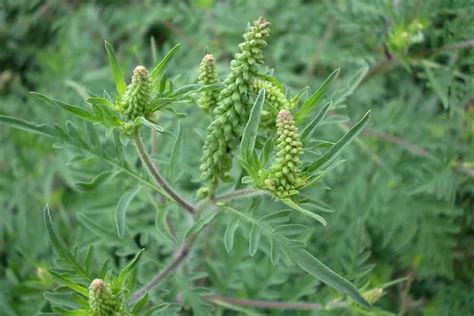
(179, 257)
(229, 196)
(273, 304)
(153, 170)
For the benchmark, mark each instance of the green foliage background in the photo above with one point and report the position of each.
(403, 200)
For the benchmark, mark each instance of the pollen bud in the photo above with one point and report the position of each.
(101, 300)
(284, 177)
(136, 100)
(207, 76)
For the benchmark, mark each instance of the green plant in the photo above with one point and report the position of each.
(403, 197)
(139, 106)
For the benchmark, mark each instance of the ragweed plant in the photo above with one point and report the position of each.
(277, 160)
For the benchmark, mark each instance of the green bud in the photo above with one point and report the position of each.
(275, 97)
(101, 300)
(207, 76)
(233, 107)
(284, 177)
(136, 100)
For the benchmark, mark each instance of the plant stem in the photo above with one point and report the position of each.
(272, 304)
(229, 196)
(180, 254)
(156, 174)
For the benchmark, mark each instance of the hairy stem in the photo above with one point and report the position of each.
(180, 255)
(150, 166)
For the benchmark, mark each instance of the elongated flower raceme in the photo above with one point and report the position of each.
(136, 100)
(284, 177)
(207, 76)
(275, 97)
(233, 107)
(101, 300)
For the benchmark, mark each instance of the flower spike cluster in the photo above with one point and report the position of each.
(275, 97)
(136, 100)
(207, 76)
(284, 177)
(233, 107)
(101, 300)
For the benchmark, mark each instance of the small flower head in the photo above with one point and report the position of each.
(136, 100)
(207, 76)
(101, 300)
(284, 177)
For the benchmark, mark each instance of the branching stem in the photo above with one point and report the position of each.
(180, 255)
(229, 196)
(153, 170)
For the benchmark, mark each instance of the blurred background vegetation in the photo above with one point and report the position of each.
(404, 199)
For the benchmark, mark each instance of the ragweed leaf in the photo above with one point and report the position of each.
(159, 68)
(247, 145)
(340, 144)
(60, 247)
(313, 100)
(117, 71)
(121, 211)
(77, 111)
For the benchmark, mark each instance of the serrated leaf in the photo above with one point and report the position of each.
(247, 145)
(313, 100)
(117, 71)
(77, 111)
(59, 246)
(303, 211)
(292, 252)
(121, 211)
(159, 68)
(229, 234)
(340, 144)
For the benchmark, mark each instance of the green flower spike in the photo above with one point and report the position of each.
(275, 97)
(207, 76)
(136, 100)
(101, 300)
(284, 177)
(233, 108)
